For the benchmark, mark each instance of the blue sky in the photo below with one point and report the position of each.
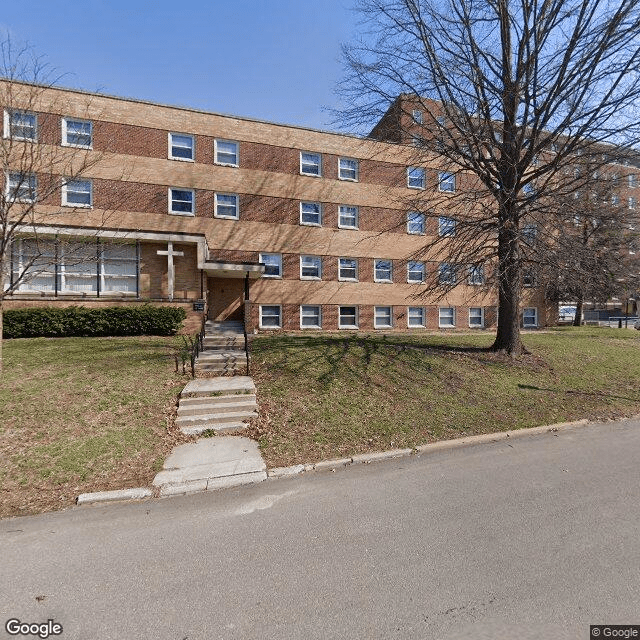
(276, 60)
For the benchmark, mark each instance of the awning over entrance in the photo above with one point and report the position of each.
(253, 270)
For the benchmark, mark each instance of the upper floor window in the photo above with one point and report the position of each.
(441, 120)
(181, 146)
(226, 152)
(415, 271)
(182, 202)
(20, 125)
(310, 163)
(417, 116)
(311, 213)
(633, 180)
(348, 169)
(476, 274)
(447, 181)
(632, 203)
(530, 232)
(415, 223)
(416, 177)
(615, 199)
(310, 268)
(347, 217)
(77, 193)
(383, 271)
(446, 226)
(447, 273)
(348, 269)
(272, 263)
(21, 187)
(77, 133)
(226, 205)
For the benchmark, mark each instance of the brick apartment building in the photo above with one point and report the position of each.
(284, 227)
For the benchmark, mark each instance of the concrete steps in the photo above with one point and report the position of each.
(223, 349)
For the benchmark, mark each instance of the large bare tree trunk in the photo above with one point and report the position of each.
(577, 320)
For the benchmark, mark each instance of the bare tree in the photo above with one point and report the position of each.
(509, 95)
(35, 169)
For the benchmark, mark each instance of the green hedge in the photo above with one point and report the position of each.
(56, 322)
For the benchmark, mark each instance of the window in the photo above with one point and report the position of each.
(447, 317)
(310, 164)
(311, 213)
(21, 187)
(416, 317)
(417, 116)
(447, 273)
(77, 133)
(226, 152)
(347, 317)
(528, 189)
(415, 223)
(348, 169)
(180, 146)
(615, 199)
(447, 181)
(530, 317)
(347, 217)
(530, 232)
(632, 203)
(226, 205)
(416, 178)
(528, 279)
(272, 263)
(310, 316)
(418, 141)
(476, 274)
(441, 120)
(20, 125)
(382, 271)
(310, 268)
(77, 193)
(270, 316)
(35, 261)
(415, 271)
(383, 317)
(446, 226)
(118, 268)
(633, 180)
(348, 269)
(476, 317)
(182, 202)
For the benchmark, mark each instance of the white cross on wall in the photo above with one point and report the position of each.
(171, 271)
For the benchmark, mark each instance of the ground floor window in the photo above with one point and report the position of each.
(476, 317)
(383, 317)
(530, 317)
(270, 316)
(416, 317)
(81, 268)
(310, 316)
(447, 316)
(348, 317)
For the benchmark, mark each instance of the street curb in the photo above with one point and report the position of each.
(432, 447)
(139, 493)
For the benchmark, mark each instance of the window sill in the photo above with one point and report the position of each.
(219, 217)
(77, 206)
(181, 159)
(310, 224)
(182, 213)
(226, 164)
(78, 146)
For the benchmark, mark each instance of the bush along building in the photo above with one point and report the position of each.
(277, 226)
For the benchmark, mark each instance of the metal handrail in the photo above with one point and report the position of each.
(198, 346)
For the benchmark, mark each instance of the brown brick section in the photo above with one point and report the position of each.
(153, 272)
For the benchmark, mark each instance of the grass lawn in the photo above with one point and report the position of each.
(83, 414)
(329, 396)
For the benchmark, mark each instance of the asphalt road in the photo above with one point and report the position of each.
(530, 539)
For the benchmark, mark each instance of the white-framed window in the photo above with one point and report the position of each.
(441, 120)
(447, 273)
(347, 317)
(310, 268)
(382, 271)
(615, 199)
(447, 316)
(632, 203)
(416, 114)
(415, 223)
(476, 317)
(310, 163)
(632, 180)
(226, 205)
(416, 178)
(476, 274)
(310, 316)
(270, 316)
(446, 226)
(182, 202)
(20, 125)
(348, 269)
(181, 146)
(311, 213)
(226, 152)
(383, 317)
(447, 181)
(77, 193)
(77, 133)
(530, 317)
(347, 217)
(416, 317)
(21, 187)
(272, 263)
(348, 169)
(118, 268)
(35, 262)
(528, 189)
(530, 232)
(416, 271)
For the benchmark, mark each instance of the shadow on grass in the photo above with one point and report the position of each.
(595, 394)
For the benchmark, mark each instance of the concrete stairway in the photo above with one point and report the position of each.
(223, 349)
(220, 404)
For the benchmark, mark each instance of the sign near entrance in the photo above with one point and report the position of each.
(198, 305)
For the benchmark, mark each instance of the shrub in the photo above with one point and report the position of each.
(56, 322)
